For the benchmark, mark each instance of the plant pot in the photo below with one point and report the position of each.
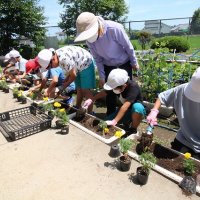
(24, 100)
(125, 164)
(50, 114)
(33, 110)
(40, 109)
(65, 130)
(19, 99)
(114, 151)
(6, 90)
(142, 176)
(15, 95)
(59, 124)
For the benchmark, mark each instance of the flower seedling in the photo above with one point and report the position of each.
(148, 161)
(188, 164)
(104, 127)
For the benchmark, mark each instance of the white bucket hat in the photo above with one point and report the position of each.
(117, 77)
(44, 58)
(192, 89)
(7, 57)
(14, 54)
(87, 26)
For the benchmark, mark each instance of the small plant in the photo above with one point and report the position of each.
(104, 127)
(33, 95)
(48, 107)
(118, 134)
(62, 115)
(125, 146)
(57, 105)
(188, 164)
(148, 161)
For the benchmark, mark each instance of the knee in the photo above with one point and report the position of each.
(138, 108)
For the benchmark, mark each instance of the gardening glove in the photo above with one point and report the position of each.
(152, 117)
(111, 122)
(87, 103)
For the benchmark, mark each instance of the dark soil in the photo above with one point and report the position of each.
(170, 160)
(91, 123)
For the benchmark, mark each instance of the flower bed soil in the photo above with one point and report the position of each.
(91, 123)
(169, 159)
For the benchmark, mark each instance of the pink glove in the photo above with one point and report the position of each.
(111, 122)
(87, 103)
(152, 117)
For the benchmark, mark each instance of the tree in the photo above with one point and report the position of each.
(195, 23)
(108, 9)
(20, 19)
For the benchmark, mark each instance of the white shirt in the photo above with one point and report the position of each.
(73, 57)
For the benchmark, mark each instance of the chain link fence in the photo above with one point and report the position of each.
(157, 27)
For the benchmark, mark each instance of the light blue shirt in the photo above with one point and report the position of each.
(21, 65)
(113, 48)
(188, 113)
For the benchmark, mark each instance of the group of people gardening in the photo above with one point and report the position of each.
(73, 68)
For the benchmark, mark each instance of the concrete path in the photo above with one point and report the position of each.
(49, 166)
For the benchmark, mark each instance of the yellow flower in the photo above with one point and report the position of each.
(62, 110)
(3, 78)
(187, 155)
(19, 94)
(106, 130)
(57, 105)
(118, 134)
(45, 98)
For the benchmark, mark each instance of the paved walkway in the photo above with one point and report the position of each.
(49, 166)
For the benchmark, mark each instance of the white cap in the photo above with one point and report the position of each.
(86, 25)
(117, 77)
(44, 58)
(192, 89)
(14, 54)
(52, 50)
(7, 57)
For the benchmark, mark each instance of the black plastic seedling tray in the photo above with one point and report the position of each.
(23, 122)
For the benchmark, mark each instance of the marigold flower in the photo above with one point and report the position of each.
(57, 105)
(106, 130)
(45, 98)
(118, 134)
(19, 94)
(187, 155)
(62, 110)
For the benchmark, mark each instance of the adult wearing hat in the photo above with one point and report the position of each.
(185, 99)
(110, 46)
(131, 111)
(78, 66)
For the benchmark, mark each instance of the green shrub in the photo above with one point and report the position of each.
(172, 42)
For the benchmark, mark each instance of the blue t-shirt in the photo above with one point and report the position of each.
(58, 72)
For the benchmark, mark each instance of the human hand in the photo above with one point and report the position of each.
(101, 83)
(136, 67)
(111, 122)
(87, 103)
(152, 117)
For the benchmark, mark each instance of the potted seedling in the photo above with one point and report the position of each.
(23, 99)
(6, 88)
(147, 160)
(103, 127)
(19, 96)
(15, 92)
(48, 107)
(63, 120)
(188, 184)
(125, 160)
